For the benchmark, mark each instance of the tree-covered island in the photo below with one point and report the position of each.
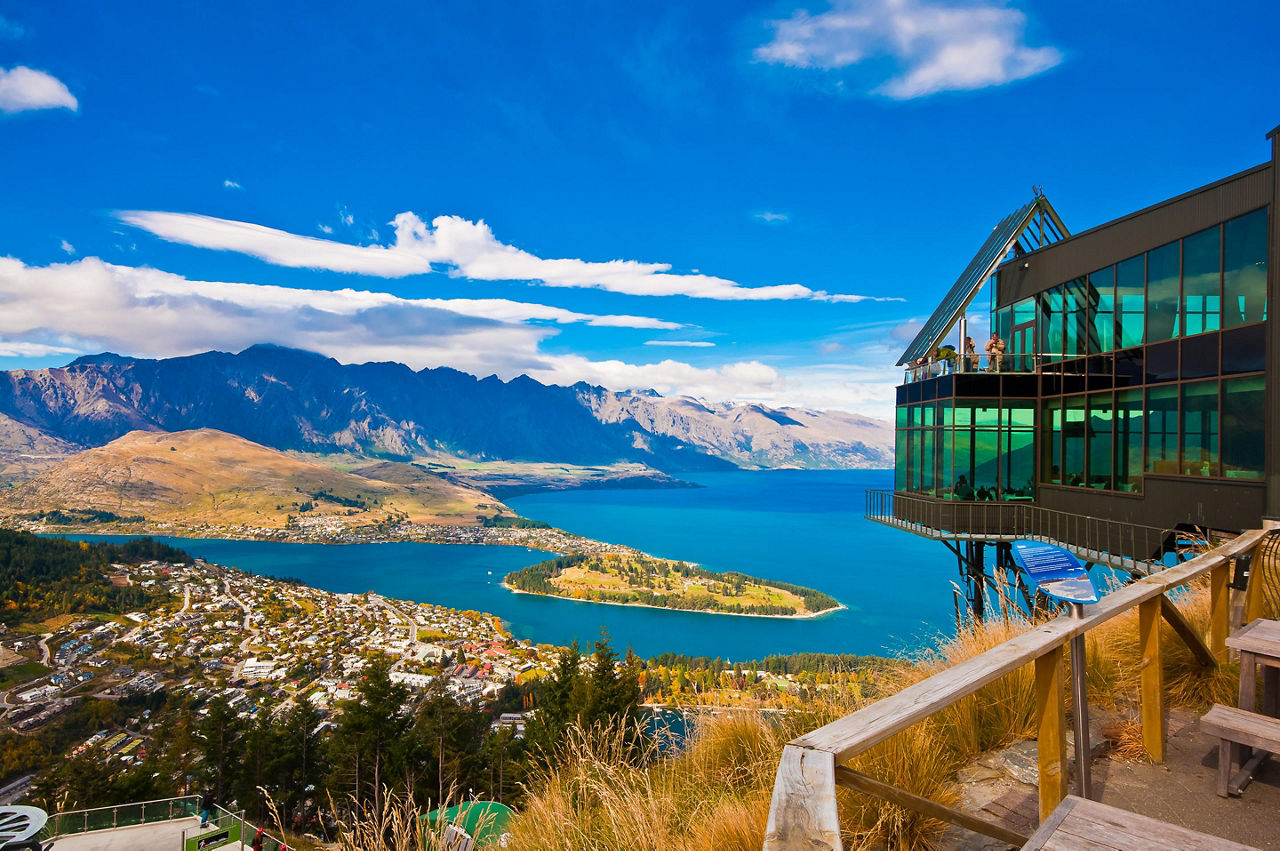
(640, 580)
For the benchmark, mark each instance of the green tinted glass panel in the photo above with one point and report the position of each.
(986, 412)
(1019, 414)
(1128, 443)
(946, 471)
(1077, 307)
(1051, 442)
(1051, 323)
(1130, 302)
(946, 414)
(1004, 325)
(1200, 429)
(1099, 436)
(1162, 293)
(914, 416)
(1243, 431)
(1162, 430)
(986, 467)
(1244, 269)
(903, 415)
(964, 489)
(1073, 440)
(926, 412)
(1102, 321)
(1201, 281)
(1018, 465)
(926, 461)
(902, 452)
(1024, 311)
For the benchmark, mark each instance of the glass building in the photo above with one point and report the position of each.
(1128, 390)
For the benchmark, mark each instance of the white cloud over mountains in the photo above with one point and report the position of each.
(937, 47)
(89, 305)
(23, 88)
(462, 248)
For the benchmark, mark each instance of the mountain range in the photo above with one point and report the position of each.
(293, 400)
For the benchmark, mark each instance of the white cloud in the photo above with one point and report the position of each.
(231, 184)
(463, 248)
(68, 247)
(24, 88)
(681, 344)
(937, 47)
(17, 349)
(324, 228)
(773, 218)
(89, 306)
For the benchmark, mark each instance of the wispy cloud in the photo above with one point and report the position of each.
(11, 29)
(323, 228)
(68, 247)
(681, 344)
(937, 47)
(23, 88)
(231, 184)
(773, 218)
(463, 248)
(89, 305)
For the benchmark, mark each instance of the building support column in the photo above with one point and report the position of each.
(1272, 448)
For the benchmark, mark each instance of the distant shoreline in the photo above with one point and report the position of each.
(805, 616)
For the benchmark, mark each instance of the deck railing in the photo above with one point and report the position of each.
(120, 815)
(1131, 547)
(803, 812)
(1007, 363)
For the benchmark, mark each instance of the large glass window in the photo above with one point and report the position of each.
(1243, 434)
(1201, 281)
(1244, 269)
(1051, 323)
(1077, 307)
(1130, 301)
(1073, 441)
(1162, 293)
(927, 462)
(1102, 295)
(1099, 437)
(1051, 442)
(1018, 456)
(1128, 428)
(1200, 428)
(1162, 430)
(901, 461)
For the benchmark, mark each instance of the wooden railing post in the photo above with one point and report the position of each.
(1152, 691)
(802, 814)
(1253, 602)
(1051, 726)
(1219, 610)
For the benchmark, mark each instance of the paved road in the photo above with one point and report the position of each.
(44, 649)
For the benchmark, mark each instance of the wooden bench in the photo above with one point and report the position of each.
(1236, 728)
(1081, 824)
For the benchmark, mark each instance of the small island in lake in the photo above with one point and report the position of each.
(635, 579)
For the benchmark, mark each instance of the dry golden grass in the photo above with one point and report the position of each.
(715, 794)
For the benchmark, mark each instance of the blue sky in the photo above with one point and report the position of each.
(747, 201)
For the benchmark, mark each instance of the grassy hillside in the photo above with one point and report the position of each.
(211, 477)
(642, 580)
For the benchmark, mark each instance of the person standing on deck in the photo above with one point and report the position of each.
(995, 351)
(970, 359)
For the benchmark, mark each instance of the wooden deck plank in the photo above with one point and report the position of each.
(1260, 636)
(1081, 824)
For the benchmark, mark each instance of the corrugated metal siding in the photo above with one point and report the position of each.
(1123, 238)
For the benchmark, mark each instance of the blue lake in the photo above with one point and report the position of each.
(797, 526)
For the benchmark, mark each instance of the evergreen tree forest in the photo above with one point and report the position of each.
(43, 577)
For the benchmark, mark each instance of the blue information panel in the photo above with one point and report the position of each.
(1055, 571)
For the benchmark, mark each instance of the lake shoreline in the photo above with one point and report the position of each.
(805, 616)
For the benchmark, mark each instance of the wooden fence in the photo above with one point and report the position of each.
(803, 814)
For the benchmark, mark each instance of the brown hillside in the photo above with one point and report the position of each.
(208, 476)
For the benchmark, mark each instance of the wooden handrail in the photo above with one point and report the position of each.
(802, 810)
